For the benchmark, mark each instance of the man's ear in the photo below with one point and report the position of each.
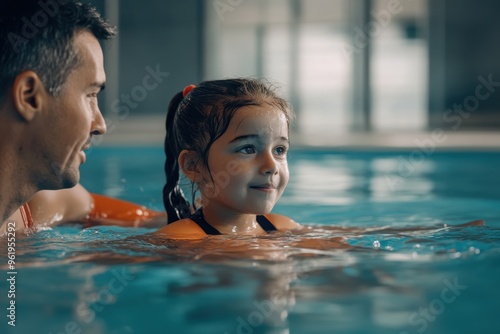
(189, 164)
(28, 94)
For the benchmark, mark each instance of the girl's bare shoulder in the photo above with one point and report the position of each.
(282, 223)
(181, 229)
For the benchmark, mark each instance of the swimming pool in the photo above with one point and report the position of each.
(434, 280)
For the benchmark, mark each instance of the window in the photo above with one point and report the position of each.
(307, 46)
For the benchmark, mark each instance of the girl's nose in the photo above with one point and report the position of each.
(269, 165)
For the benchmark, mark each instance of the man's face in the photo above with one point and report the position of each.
(72, 117)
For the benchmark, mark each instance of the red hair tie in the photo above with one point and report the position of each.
(187, 89)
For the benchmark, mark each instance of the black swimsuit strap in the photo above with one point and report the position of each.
(198, 218)
(265, 224)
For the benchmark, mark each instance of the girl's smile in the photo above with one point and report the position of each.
(264, 187)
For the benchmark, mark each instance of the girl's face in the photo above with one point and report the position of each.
(248, 163)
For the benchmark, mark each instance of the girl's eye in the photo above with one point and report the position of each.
(247, 150)
(280, 150)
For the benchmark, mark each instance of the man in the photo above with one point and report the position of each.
(51, 71)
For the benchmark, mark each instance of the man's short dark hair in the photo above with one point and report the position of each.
(38, 35)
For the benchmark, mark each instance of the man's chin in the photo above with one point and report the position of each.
(70, 183)
(71, 178)
(65, 180)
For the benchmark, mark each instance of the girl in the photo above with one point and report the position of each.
(230, 138)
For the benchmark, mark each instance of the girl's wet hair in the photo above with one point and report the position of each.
(196, 121)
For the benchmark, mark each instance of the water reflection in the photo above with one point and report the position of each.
(328, 182)
(345, 179)
(341, 180)
(389, 184)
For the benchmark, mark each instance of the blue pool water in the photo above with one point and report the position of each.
(408, 270)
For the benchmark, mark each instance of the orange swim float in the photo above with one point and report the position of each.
(111, 211)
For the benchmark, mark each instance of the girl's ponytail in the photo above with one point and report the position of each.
(176, 205)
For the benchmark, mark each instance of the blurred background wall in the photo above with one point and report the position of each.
(349, 67)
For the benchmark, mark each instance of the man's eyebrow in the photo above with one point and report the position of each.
(99, 85)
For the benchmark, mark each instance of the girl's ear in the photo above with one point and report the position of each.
(189, 164)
